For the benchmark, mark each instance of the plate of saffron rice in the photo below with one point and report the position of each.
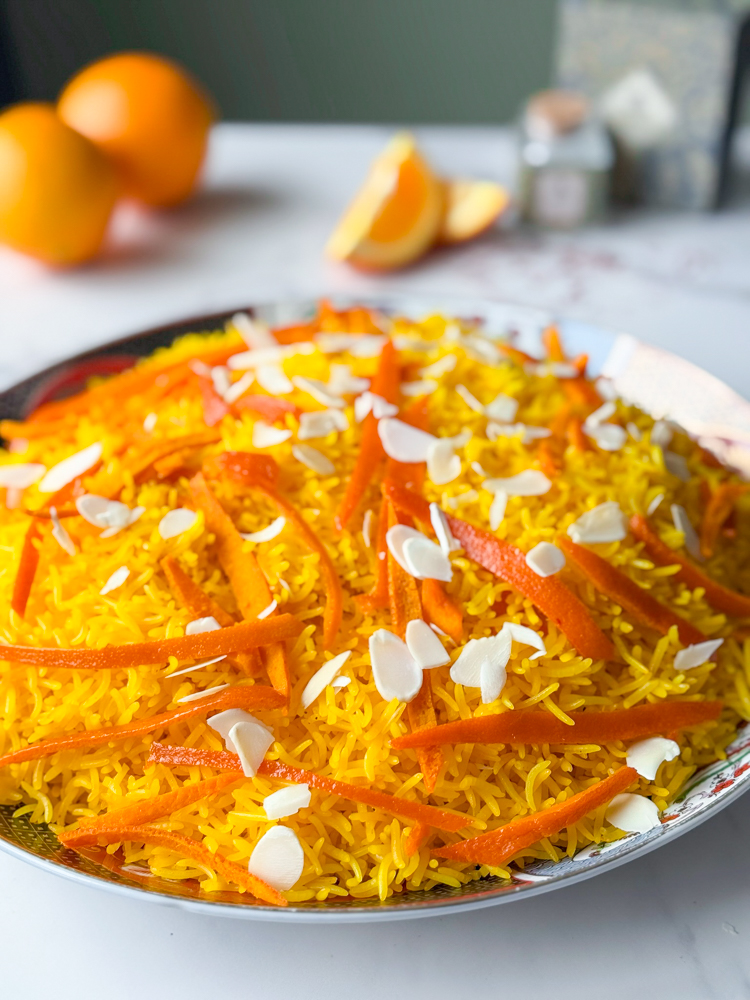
(369, 610)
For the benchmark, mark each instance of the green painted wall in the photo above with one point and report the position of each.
(307, 60)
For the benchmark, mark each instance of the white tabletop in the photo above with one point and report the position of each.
(676, 921)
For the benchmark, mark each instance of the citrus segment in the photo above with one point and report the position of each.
(470, 208)
(395, 216)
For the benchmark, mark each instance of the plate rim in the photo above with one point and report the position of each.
(429, 907)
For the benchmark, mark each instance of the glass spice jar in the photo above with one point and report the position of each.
(566, 159)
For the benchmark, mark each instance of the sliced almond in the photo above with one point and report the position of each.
(683, 523)
(287, 801)
(267, 534)
(526, 636)
(341, 381)
(60, 534)
(70, 468)
(102, 512)
(223, 722)
(257, 357)
(545, 559)
(254, 332)
(362, 406)
(696, 655)
(647, 756)
(321, 423)
(633, 430)
(266, 436)
(470, 399)
(603, 523)
(395, 671)
(443, 464)
(22, 475)
(116, 580)
(407, 342)
(404, 443)
(440, 367)
(206, 693)
(220, 379)
(278, 858)
(609, 437)
(273, 379)
(176, 522)
(319, 392)
(480, 349)
(334, 343)
(424, 387)
(425, 647)
(442, 530)
(370, 402)
(632, 813)
(526, 432)
(359, 345)
(198, 625)
(251, 741)
(654, 504)
(482, 664)
(425, 560)
(605, 411)
(322, 678)
(502, 408)
(313, 459)
(395, 538)
(382, 408)
(468, 496)
(367, 528)
(195, 667)
(497, 509)
(557, 369)
(135, 514)
(530, 483)
(239, 388)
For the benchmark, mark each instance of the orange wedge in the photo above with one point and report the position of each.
(470, 208)
(395, 216)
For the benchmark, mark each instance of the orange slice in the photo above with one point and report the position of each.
(470, 208)
(395, 216)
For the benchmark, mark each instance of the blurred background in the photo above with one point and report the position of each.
(304, 60)
(412, 61)
(440, 61)
(585, 205)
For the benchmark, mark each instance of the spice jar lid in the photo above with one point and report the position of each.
(555, 112)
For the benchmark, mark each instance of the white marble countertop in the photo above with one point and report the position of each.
(677, 921)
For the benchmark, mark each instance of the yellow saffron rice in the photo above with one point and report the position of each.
(350, 849)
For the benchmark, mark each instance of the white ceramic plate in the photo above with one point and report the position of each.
(657, 381)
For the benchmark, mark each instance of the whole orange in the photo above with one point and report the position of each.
(148, 116)
(57, 191)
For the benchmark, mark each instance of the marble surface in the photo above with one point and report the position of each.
(677, 921)
(273, 193)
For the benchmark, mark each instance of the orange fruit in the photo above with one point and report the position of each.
(470, 208)
(57, 191)
(148, 116)
(395, 216)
